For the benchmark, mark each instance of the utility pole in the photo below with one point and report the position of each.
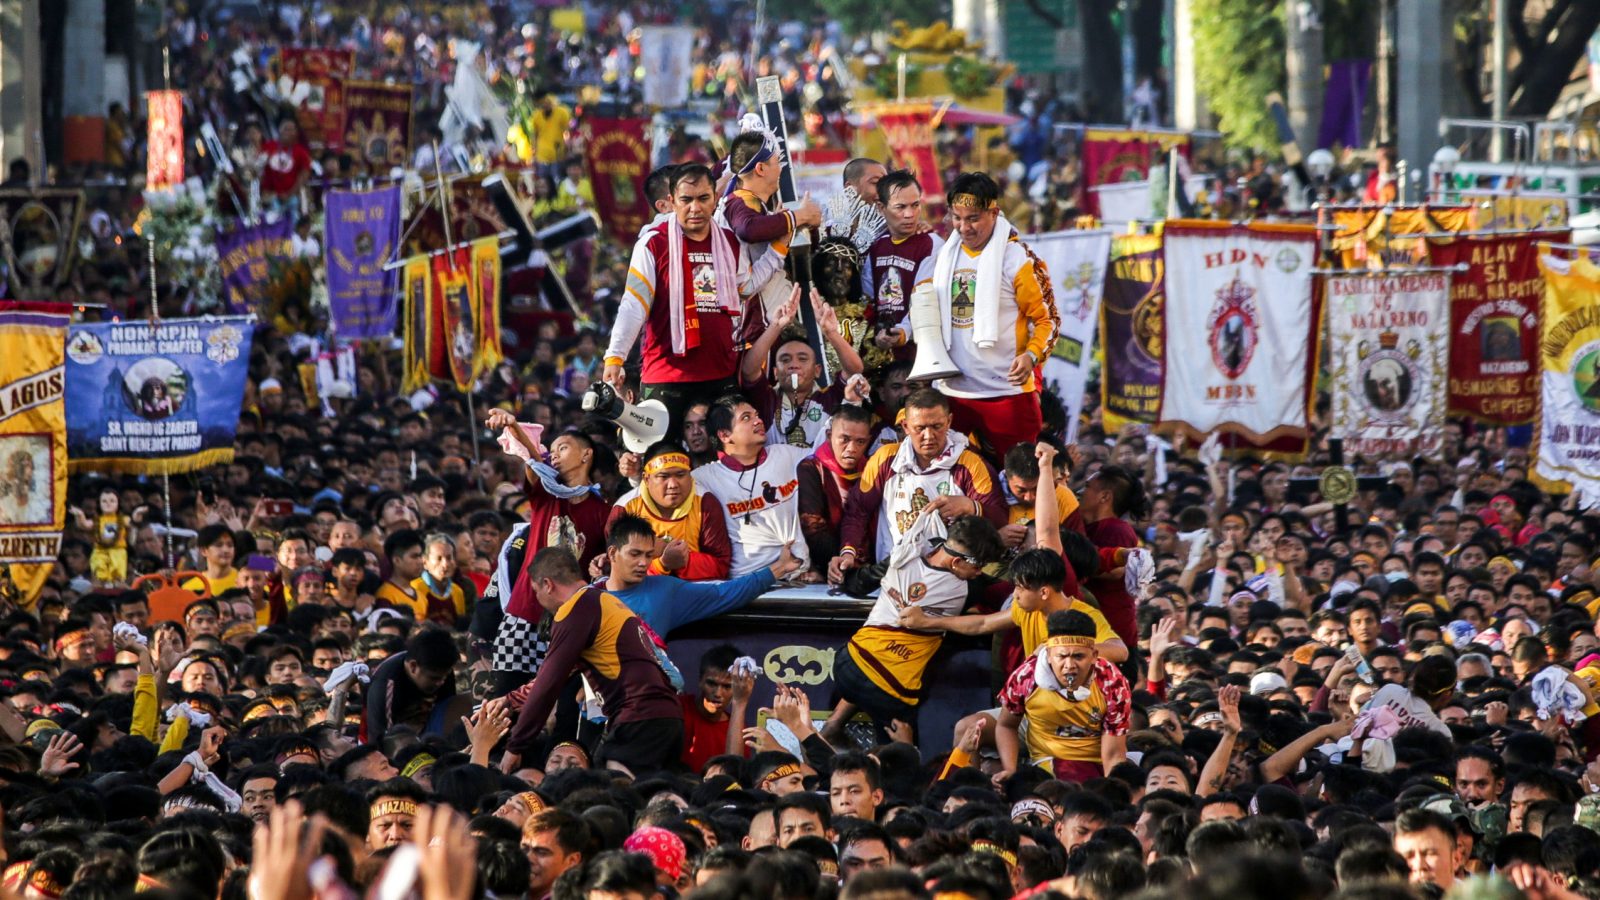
(1303, 66)
(1497, 150)
(1385, 88)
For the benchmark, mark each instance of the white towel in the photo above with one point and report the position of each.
(986, 299)
(727, 274)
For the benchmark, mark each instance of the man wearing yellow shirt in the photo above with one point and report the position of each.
(404, 550)
(548, 130)
(1021, 483)
(215, 543)
(443, 601)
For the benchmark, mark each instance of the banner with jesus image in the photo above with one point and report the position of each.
(1389, 347)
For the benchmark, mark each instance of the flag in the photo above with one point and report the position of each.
(377, 123)
(33, 448)
(1343, 99)
(486, 305)
(1376, 238)
(908, 130)
(1498, 212)
(1566, 443)
(1076, 262)
(665, 54)
(154, 399)
(453, 335)
(417, 281)
(1116, 155)
(1131, 342)
(164, 138)
(1240, 323)
(1389, 338)
(617, 152)
(247, 255)
(323, 72)
(1494, 325)
(361, 233)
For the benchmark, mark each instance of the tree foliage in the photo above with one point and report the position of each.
(1239, 60)
(862, 17)
(1547, 40)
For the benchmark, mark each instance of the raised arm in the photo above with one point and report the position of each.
(1217, 765)
(753, 366)
(1046, 509)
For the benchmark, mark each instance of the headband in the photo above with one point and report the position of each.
(1205, 719)
(392, 806)
(971, 201)
(12, 879)
(533, 802)
(783, 771)
(72, 639)
(1030, 806)
(296, 750)
(666, 461)
(578, 747)
(260, 710)
(418, 763)
(769, 147)
(45, 883)
(239, 630)
(996, 849)
(148, 883)
(1503, 560)
(1070, 640)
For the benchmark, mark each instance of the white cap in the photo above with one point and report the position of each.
(1266, 682)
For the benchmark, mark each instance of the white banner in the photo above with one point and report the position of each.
(1239, 326)
(665, 52)
(1076, 261)
(1390, 356)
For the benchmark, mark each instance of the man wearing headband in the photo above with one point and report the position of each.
(1077, 706)
(391, 812)
(898, 261)
(749, 210)
(686, 290)
(999, 314)
(689, 521)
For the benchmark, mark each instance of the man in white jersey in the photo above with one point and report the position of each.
(757, 485)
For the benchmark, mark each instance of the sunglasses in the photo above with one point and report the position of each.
(958, 554)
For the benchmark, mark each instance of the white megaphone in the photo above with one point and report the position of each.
(933, 360)
(642, 424)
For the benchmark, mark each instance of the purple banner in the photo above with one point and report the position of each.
(363, 229)
(248, 256)
(1343, 101)
(1130, 332)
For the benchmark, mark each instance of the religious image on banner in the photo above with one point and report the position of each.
(908, 130)
(1566, 443)
(454, 324)
(155, 399)
(1522, 212)
(666, 53)
(617, 152)
(1076, 261)
(33, 449)
(1377, 238)
(38, 241)
(316, 77)
(1116, 155)
(377, 122)
(361, 232)
(486, 273)
(473, 214)
(1241, 324)
(247, 258)
(1494, 325)
(1389, 338)
(1131, 341)
(164, 138)
(416, 280)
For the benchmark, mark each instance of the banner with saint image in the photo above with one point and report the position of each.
(1389, 348)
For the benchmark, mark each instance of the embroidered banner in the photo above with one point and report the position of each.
(377, 123)
(1566, 445)
(1076, 261)
(417, 281)
(361, 233)
(1389, 338)
(33, 448)
(248, 256)
(1131, 340)
(908, 130)
(486, 305)
(318, 75)
(1114, 156)
(618, 156)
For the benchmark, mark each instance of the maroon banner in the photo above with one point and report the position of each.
(1494, 325)
(472, 215)
(908, 130)
(321, 114)
(617, 152)
(1112, 156)
(377, 122)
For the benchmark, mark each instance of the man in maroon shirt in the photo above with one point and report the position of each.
(826, 477)
(899, 260)
(1112, 493)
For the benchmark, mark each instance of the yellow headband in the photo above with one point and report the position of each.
(72, 639)
(1503, 560)
(44, 883)
(418, 763)
(392, 806)
(666, 461)
(1069, 640)
(532, 801)
(972, 201)
(783, 771)
(996, 849)
(239, 630)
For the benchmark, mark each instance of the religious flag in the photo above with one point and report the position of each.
(1117, 155)
(377, 122)
(247, 255)
(1522, 212)
(1372, 238)
(618, 156)
(1566, 445)
(666, 53)
(164, 139)
(1076, 261)
(318, 75)
(154, 399)
(454, 329)
(1494, 325)
(417, 282)
(33, 448)
(361, 233)
(486, 305)
(473, 213)
(1131, 341)
(1389, 337)
(908, 130)
(1241, 323)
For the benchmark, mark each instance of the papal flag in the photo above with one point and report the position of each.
(1567, 442)
(33, 447)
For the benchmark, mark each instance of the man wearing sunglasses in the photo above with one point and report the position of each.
(881, 669)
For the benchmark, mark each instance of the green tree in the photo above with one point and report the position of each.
(1239, 48)
(861, 17)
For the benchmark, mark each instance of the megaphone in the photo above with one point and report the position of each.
(642, 424)
(933, 360)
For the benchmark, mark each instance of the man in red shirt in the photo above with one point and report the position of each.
(288, 162)
(724, 698)
(899, 260)
(687, 287)
(1110, 494)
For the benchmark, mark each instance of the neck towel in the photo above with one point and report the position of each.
(986, 292)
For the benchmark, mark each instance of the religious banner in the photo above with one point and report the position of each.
(164, 137)
(416, 280)
(486, 305)
(1116, 155)
(33, 448)
(1494, 325)
(1131, 341)
(908, 130)
(1566, 443)
(473, 214)
(1373, 238)
(377, 122)
(361, 234)
(317, 76)
(246, 256)
(617, 152)
(666, 53)
(1076, 261)
(1389, 338)
(1241, 323)
(453, 330)
(38, 240)
(1520, 212)
(155, 398)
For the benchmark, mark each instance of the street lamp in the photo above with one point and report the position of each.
(1319, 163)
(1445, 160)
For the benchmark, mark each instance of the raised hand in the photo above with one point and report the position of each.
(56, 761)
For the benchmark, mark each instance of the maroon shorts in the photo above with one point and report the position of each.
(1000, 422)
(1077, 771)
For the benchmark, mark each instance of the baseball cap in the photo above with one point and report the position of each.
(1266, 682)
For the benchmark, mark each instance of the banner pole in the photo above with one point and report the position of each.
(166, 503)
(472, 418)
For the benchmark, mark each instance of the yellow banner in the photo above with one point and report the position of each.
(33, 450)
(418, 285)
(486, 302)
(1372, 238)
(1566, 443)
(1520, 213)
